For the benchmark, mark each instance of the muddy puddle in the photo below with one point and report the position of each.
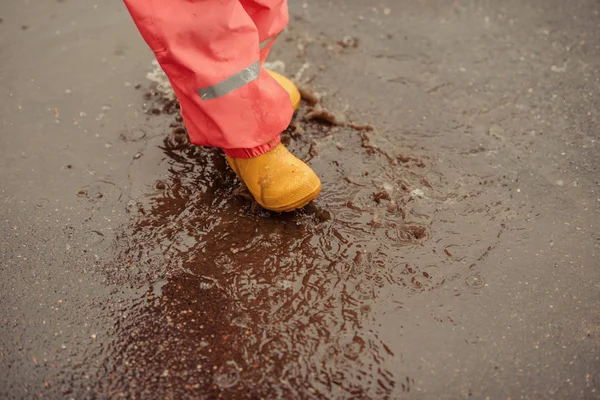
(244, 303)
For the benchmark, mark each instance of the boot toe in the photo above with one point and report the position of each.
(278, 180)
(295, 190)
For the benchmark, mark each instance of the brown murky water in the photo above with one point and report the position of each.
(244, 303)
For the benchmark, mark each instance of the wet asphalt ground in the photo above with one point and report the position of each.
(452, 253)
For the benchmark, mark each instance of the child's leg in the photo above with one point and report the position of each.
(270, 18)
(210, 50)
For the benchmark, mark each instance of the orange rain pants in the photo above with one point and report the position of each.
(212, 51)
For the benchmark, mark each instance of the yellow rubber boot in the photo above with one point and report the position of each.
(289, 86)
(277, 179)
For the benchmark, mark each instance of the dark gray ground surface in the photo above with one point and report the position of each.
(457, 258)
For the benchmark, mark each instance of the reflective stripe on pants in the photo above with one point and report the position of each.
(211, 52)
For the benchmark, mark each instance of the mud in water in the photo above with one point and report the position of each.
(245, 303)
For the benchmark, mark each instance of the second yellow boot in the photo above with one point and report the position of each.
(277, 180)
(289, 86)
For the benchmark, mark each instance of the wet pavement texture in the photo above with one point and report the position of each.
(451, 254)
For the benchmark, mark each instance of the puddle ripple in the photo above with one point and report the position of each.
(251, 304)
